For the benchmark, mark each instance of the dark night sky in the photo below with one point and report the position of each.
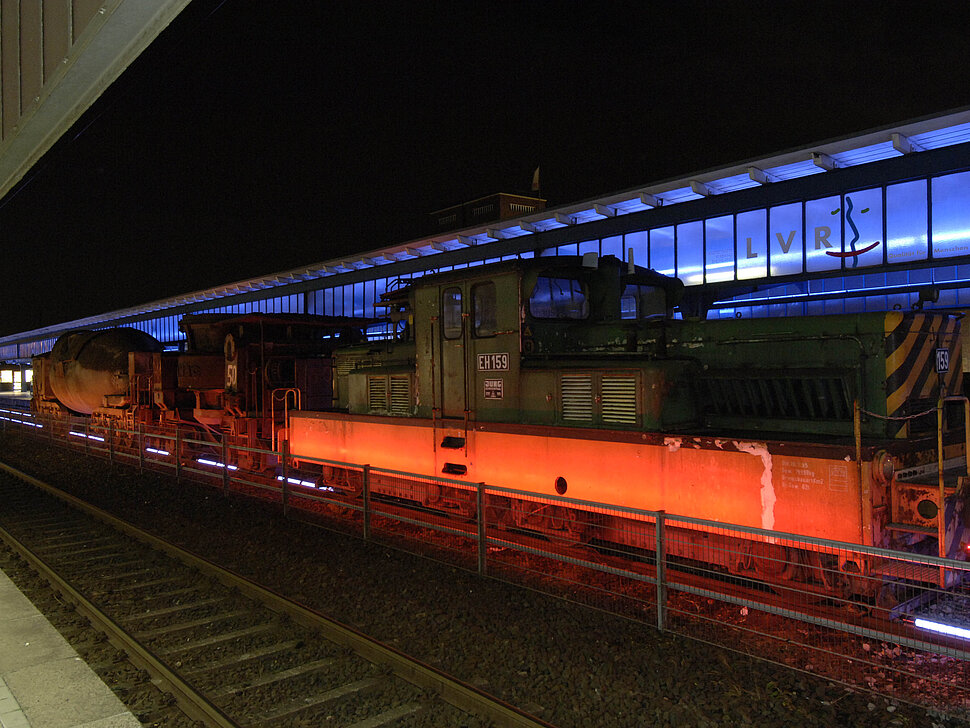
(253, 137)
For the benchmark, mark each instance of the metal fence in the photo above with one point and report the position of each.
(895, 623)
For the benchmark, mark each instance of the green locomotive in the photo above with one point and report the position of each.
(567, 376)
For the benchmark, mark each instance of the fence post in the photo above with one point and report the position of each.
(365, 473)
(140, 442)
(481, 528)
(178, 454)
(111, 442)
(225, 461)
(286, 482)
(661, 572)
(87, 439)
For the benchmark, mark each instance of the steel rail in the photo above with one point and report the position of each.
(456, 692)
(192, 703)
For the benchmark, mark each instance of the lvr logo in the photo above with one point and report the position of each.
(852, 253)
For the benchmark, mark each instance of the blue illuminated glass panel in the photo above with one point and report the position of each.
(637, 242)
(368, 299)
(823, 222)
(589, 246)
(690, 253)
(906, 220)
(785, 239)
(662, 250)
(380, 288)
(614, 246)
(862, 213)
(752, 245)
(951, 215)
(357, 298)
(348, 292)
(719, 249)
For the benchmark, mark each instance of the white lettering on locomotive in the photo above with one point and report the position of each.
(497, 362)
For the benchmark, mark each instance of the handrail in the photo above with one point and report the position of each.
(941, 515)
(274, 397)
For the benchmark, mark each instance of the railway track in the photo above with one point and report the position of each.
(230, 652)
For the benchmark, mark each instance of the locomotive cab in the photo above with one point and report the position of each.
(523, 342)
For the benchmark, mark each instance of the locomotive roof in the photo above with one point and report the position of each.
(563, 263)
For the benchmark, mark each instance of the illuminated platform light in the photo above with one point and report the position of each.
(215, 464)
(17, 419)
(156, 451)
(81, 434)
(20, 422)
(947, 629)
(307, 483)
(17, 413)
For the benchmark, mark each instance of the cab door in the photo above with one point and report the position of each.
(493, 339)
(452, 344)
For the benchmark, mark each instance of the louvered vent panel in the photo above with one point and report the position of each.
(400, 395)
(620, 400)
(577, 397)
(344, 367)
(377, 394)
(784, 397)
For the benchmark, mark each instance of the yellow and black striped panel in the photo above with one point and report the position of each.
(914, 343)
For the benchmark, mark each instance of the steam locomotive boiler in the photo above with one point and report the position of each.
(568, 376)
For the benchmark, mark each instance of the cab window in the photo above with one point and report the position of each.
(451, 313)
(483, 306)
(643, 302)
(558, 298)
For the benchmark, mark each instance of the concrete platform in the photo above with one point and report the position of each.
(43, 682)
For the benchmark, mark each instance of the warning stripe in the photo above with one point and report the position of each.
(905, 345)
(911, 347)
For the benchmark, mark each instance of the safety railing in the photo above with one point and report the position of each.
(869, 617)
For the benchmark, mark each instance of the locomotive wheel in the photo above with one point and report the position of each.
(351, 482)
(770, 561)
(498, 511)
(565, 524)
